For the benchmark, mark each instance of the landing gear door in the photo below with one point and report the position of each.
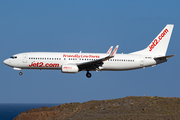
(25, 58)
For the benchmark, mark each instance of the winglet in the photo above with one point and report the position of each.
(114, 51)
(110, 49)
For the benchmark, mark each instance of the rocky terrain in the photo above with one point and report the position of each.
(128, 108)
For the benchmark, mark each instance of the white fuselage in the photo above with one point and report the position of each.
(55, 60)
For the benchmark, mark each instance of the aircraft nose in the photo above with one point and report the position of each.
(5, 62)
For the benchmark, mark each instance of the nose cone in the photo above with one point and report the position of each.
(6, 62)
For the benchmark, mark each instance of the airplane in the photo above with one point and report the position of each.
(153, 54)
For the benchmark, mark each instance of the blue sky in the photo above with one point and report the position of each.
(87, 26)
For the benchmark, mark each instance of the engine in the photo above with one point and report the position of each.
(69, 69)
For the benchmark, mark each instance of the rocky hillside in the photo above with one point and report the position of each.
(128, 108)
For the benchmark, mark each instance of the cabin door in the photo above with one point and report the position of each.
(25, 58)
(142, 62)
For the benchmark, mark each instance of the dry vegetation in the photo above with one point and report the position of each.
(128, 108)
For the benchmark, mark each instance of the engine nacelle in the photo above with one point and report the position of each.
(69, 69)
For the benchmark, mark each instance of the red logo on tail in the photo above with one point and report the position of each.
(156, 41)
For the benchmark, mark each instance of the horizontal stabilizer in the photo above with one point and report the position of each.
(164, 57)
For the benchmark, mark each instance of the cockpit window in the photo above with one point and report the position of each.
(13, 57)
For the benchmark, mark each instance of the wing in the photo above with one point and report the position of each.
(95, 64)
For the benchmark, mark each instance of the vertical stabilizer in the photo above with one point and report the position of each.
(159, 45)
